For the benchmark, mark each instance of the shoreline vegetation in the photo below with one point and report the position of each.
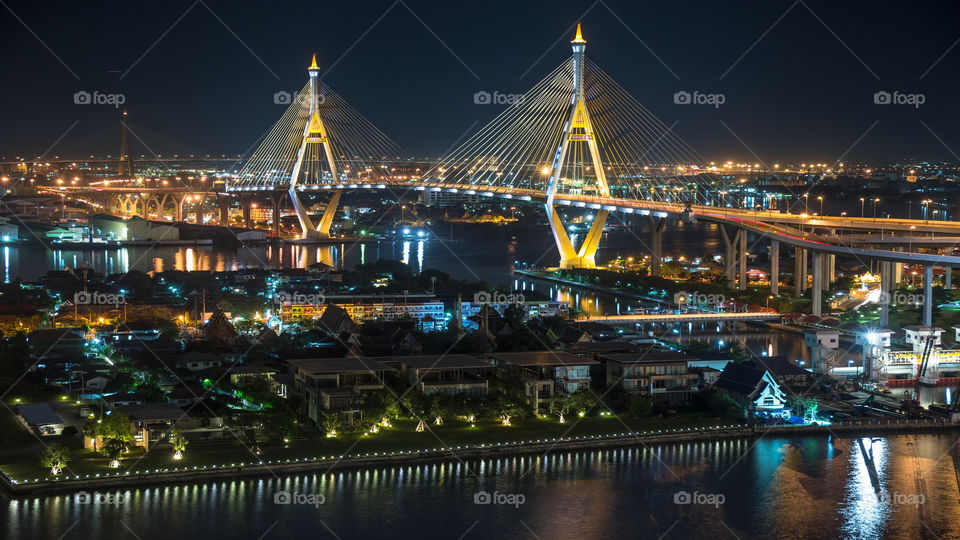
(326, 464)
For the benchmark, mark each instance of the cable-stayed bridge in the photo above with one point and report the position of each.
(576, 139)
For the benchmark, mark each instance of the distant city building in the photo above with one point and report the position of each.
(446, 198)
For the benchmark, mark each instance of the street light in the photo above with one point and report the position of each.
(861, 207)
(820, 198)
(875, 201)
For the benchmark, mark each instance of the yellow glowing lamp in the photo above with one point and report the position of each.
(579, 38)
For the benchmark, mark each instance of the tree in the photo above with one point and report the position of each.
(279, 422)
(56, 457)
(560, 406)
(582, 401)
(179, 443)
(331, 422)
(116, 426)
(640, 406)
(114, 449)
(507, 399)
(804, 407)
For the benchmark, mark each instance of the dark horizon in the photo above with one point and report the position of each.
(798, 79)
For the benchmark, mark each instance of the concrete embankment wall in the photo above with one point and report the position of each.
(283, 467)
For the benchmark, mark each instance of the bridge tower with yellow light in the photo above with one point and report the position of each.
(577, 132)
(315, 138)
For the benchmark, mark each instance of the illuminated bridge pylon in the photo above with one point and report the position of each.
(320, 143)
(578, 134)
(579, 131)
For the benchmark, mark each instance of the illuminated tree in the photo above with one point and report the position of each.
(560, 406)
(56, 457)
(582, 401)
(114, 450)
(331, 423)
(179, 443)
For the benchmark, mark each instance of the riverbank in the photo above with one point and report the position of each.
(323, 465)
(542, 275)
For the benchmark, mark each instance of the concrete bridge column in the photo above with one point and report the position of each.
(886, 286)
(775, 267)
(245, 207)
(589, 244)
(144, 199)
(816, 295)
(199, 211)
(162, 205)
(223, 203)
(928, 295)
(805, 268)
(656, 245)
(799, 270)
(947, 278)
(827, 274)
(743, 260)
(832, 268)
(178, 207)
(730, 255)
(275, 207)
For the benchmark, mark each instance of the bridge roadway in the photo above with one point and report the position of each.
(773, 225)
(680, 317)
(762, 223)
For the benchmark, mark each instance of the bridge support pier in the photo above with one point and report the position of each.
(799, 270)
(321, 231)
(947, 278)
(730, 255)
(774, 267)
(885, 288)
(928, 295)
(831, 269)
(245, 209)
(198, 213)
(656, 246)
(178, 208)
(816, 296)
(275, 211)
(328, 214)
(743, 260)
(224, 205)
(826, 267)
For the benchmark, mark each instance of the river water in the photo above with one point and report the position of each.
(769, 487)
(487, 254)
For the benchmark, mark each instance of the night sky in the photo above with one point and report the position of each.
(804, 91)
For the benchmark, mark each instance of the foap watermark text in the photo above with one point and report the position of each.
(683, 97)
(509, 499)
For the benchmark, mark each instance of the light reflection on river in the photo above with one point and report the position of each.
(771, 487)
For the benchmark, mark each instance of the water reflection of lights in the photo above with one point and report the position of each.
(863, 514)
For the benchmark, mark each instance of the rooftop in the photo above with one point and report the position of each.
(542, 358)
(39, 414)
(318, 366)
(650, 357)
(450, 361)
(154, 411)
